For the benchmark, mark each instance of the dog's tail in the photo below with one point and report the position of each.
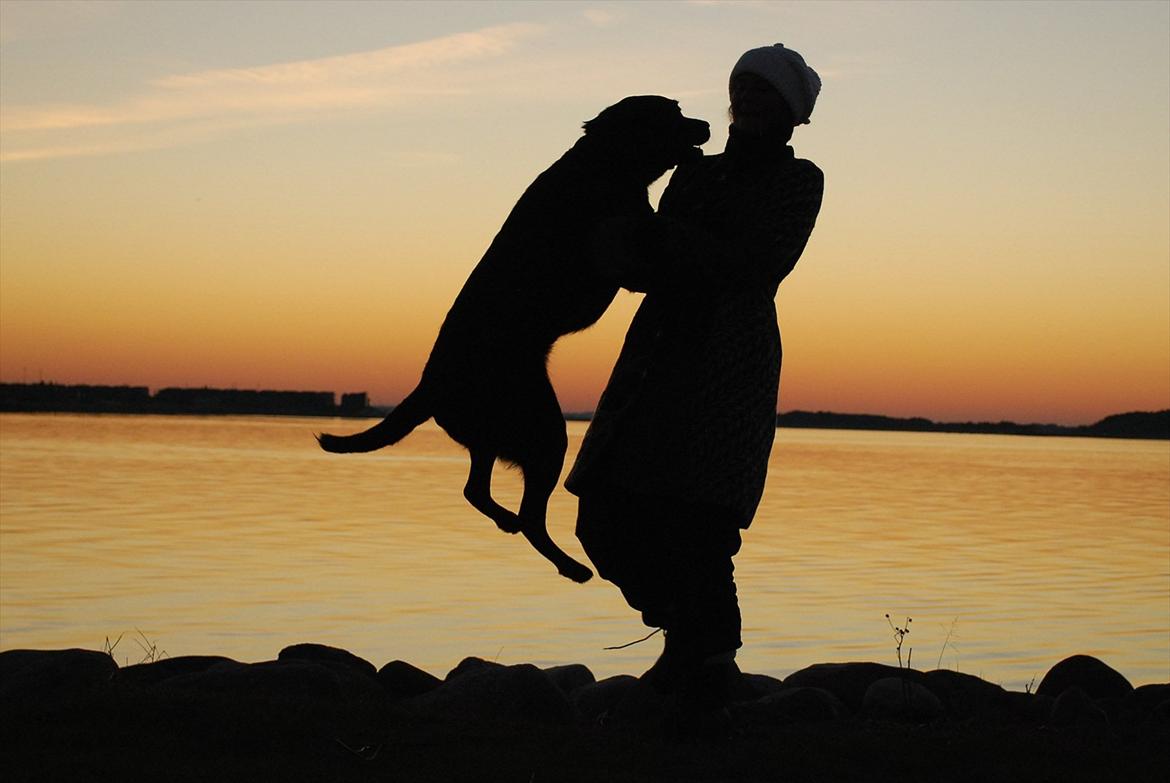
(409, 413)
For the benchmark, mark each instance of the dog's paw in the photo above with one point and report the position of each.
(575, 571)
(508, 522)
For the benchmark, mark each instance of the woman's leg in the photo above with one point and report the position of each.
(704, 541)
(623, 542)
(672, 561)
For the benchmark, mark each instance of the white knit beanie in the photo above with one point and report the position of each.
(787, 71)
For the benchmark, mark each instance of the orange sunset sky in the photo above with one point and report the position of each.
(289, 195)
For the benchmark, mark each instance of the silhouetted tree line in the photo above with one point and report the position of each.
(1139, 424)
(53, 397)
(36, 397)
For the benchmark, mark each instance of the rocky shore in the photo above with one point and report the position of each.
(318, 713)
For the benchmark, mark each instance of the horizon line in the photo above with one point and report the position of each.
(378, 409)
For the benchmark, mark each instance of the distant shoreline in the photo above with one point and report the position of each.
(206, 401)
(1146, 425)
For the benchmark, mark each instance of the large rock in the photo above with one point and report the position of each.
(847, 681)
(643, 706)
(289, 680)
(471, 665)
(570, 677)
(509, 694)
(898, 698)
(751, 687)
(1161, 713)
(43, 674)
(596, 701)
(800, 704)
(1097, 679)
(967, 696)
(1152, 700)
(163, 670)
(405, 680)
(332, 657)
(1029, 707)
(1136, 708)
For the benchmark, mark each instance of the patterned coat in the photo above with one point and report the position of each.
(690, 409)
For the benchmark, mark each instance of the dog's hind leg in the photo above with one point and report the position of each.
(542, 470)
(478, 491)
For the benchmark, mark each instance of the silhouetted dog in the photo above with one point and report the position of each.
(486, 381)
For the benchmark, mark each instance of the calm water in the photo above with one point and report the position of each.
(236, 536)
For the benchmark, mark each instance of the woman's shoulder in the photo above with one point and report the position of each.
(806, 168)
(803, 177)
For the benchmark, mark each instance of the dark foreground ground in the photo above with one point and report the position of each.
(321, 714)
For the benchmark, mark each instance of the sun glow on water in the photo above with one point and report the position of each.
(236, 536)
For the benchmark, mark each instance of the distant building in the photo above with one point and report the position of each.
(245, 401)
(53, 397)
(354, 404)
(82, 399)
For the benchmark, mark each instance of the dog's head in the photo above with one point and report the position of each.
(651, 130)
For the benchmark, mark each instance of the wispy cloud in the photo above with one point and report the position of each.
(727, 2)
(38, 20)
(94, 141)
(602, 17)
(283, 92)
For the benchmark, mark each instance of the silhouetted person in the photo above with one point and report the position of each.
(673, 464)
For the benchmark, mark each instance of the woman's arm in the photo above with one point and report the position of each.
(758, 249)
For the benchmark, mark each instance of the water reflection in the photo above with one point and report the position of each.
(236, 536)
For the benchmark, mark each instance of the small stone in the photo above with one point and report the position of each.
(404, 680)
(1074, 707)
(895, 698)
(1116, 710)
(493, 692)
(800, 704)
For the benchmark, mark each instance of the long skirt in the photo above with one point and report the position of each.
(672, 561)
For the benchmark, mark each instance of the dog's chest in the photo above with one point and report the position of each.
(577, 305)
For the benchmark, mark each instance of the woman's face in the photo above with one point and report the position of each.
(756, 106)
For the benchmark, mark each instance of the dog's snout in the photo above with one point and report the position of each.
(699, 130)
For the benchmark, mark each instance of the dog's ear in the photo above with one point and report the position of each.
(633, 115)
(598, 125)
(604, 120)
